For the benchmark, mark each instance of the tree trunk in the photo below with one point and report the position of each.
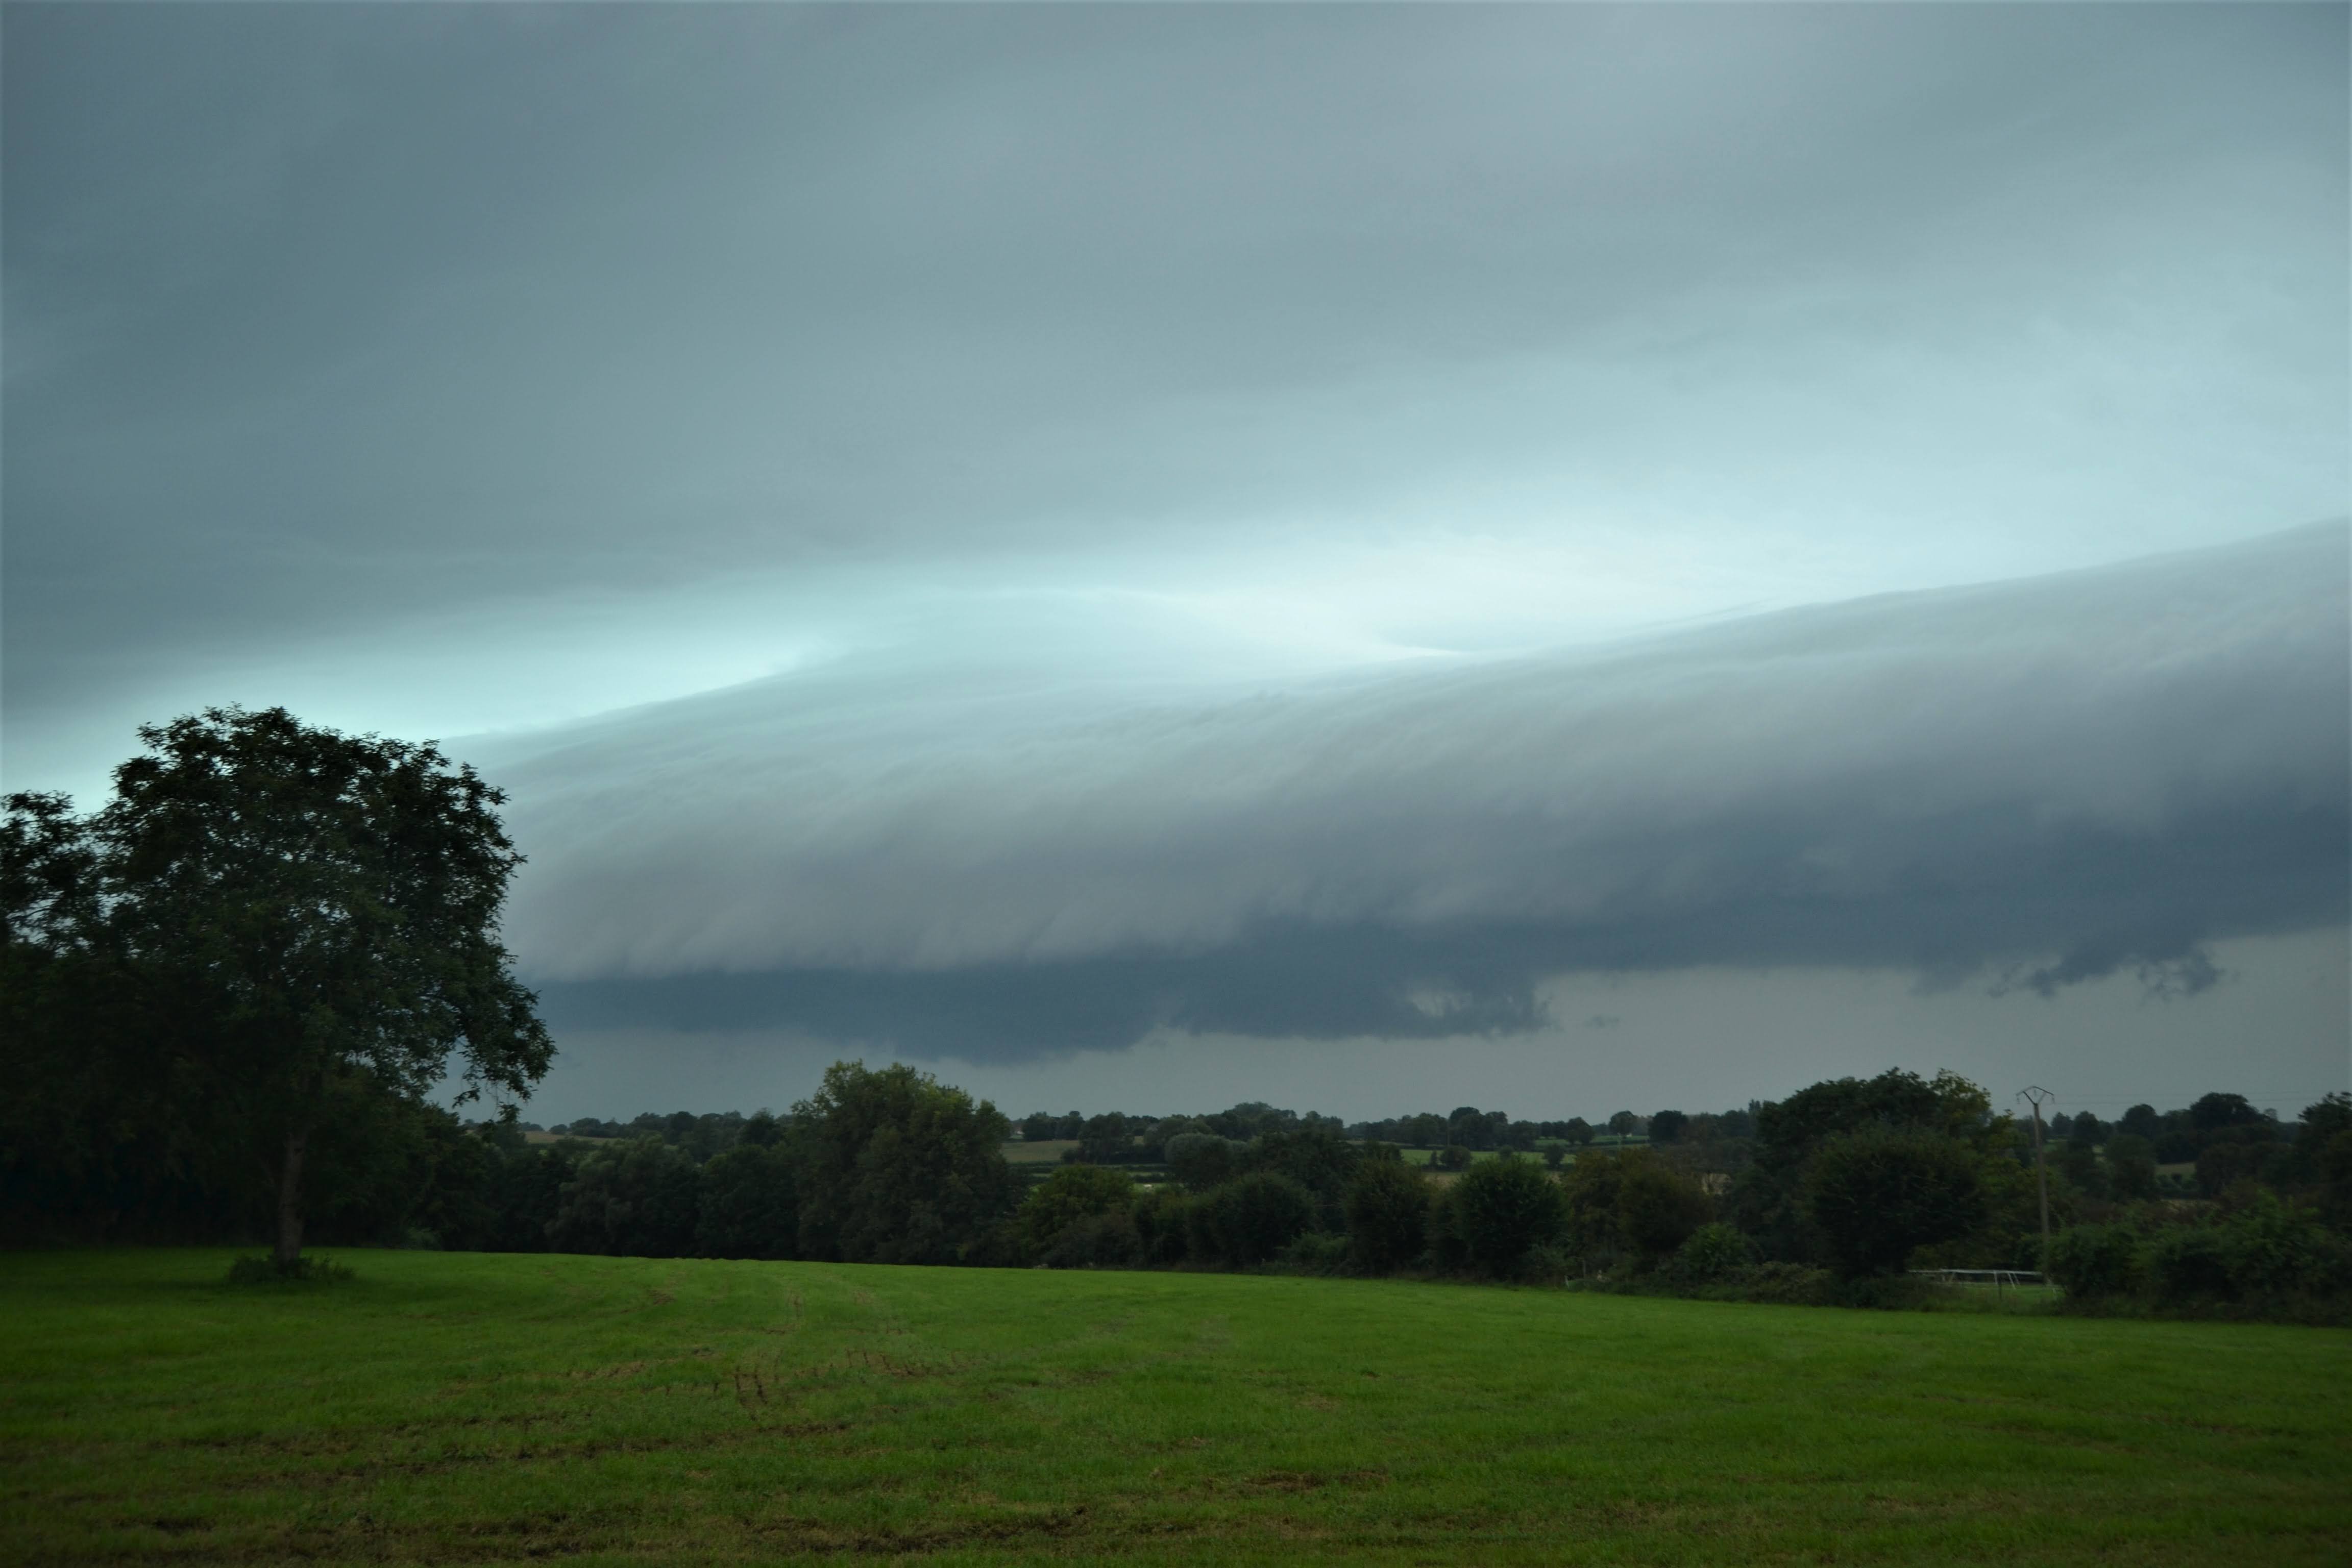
(289, 1201)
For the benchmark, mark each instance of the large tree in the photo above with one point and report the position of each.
(321, 911)
(897, 1167)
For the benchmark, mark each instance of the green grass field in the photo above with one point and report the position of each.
(463, 1408)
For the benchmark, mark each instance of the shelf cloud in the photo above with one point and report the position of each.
(2024, 785)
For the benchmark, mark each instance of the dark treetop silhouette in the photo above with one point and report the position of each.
(317, 916)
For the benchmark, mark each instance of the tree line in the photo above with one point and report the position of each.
(226, 994)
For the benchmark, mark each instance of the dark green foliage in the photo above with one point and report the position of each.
(2230, 1158)
(1107, 1140)
(1453, 1157)
(268, 930)
(1712, 1253)
(1387, 1214)
(749, 1203)
(1250, 1219)
(1666, 1127)
(1162, 1224)
(2095, 1262)
(1879, 1194)
(1072, 1193)
(637, 1200)
(2212, 1113)
(527, 1190)
(2131, 1167)
(2192, 1263)
(1200, 1159)
(2277, 1250)
(1503, 1207)
(1318, 1158)
(896, 1167)
(1588, 1195)
(1108, 1240)
(2077, 1165)
(1772, 1199)
(1658, 1207)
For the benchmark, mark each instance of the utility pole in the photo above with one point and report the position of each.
(2036, 1097)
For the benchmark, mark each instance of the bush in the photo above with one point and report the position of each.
(1504, 1207)
(2277, 1250)
(1106, 1240)
(1453, 1157)
(1250, 1219)
(1546, 1264)
(2093, 1262)
(2193, 1264)
(1658, 1208)
(1877, 1195)
(1711, 1254)
(1319, 1251)
(1161, 1221)
(1589, 1192)
(1073, 1193)
(1388, 1215)
(1443, 1230)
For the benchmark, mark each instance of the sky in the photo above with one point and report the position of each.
(1367, 557)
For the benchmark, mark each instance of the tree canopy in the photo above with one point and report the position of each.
(300, 916)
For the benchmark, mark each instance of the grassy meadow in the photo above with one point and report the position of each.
(463, 1408)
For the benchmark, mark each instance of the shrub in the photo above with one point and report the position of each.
(1250, 1219)
(1504, 1207)
(1453, 1157)
(1658, 1207)
(1711, 1254)
(2278, 1249)
(1317, 1158)
(1879, 1194)
(1446, 1248)
(1546, 1264)
(1105, 1240)
(1073, 1193)
(1320, 1251)
(1388, 1215)
(1590, 1193)
(2093, 1262)
(2193, 1264)
(1160, 1224)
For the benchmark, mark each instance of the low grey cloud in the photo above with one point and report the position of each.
(2046, 781)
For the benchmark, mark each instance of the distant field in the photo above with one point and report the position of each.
(469, 1407)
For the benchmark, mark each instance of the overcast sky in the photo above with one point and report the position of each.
(1154, 556)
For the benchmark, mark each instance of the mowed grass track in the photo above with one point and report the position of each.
(470, 1407)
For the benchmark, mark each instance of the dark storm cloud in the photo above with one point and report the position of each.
(319, 317)
(2040, 781)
